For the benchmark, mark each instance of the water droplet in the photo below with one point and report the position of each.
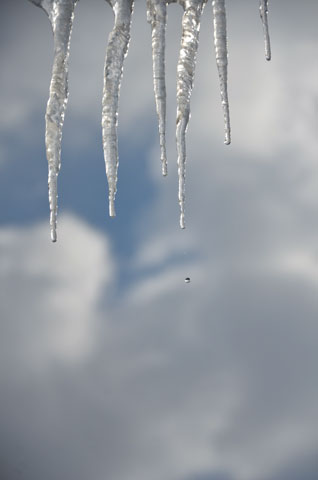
(187, 280)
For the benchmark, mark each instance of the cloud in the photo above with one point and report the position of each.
(49, 295)
(169, 381)
(160, 379)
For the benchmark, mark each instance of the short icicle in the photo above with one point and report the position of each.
(185, 76)
(117, 48)
(61, 14)
(221, 53)
(157, 17)
(263, 10)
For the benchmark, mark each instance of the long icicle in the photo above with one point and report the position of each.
(117, 48)
(185, 76)
(61, 15)
(221, 53)
(263, 10)
(157, 17)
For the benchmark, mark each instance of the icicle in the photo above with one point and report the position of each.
(157, 17)
(116, 51)
(220, 43)
(61, 14)
(263, 10)
(185, 76)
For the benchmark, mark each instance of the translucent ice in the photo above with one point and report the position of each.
(263, 10)
(185, 76)
(61, 14)
(116, 51)
(220, 43)
(157, 17)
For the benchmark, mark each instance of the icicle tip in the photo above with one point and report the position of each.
(227, 140)
(112, 211)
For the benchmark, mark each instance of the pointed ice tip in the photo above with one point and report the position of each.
(164, 163)
(112, 212)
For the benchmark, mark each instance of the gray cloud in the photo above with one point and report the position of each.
(211, 380)
(177, 381)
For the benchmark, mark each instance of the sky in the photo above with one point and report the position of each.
(111, 366)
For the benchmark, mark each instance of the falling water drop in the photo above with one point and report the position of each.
(187, 280)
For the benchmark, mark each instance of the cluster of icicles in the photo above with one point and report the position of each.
(61, 14)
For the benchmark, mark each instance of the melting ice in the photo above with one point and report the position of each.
(116, 51)
(263, 10)
(61, 14)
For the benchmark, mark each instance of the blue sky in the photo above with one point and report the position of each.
(111, 366)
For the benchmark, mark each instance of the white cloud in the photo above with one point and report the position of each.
(50, 292)
(171, 380)
(215, 375)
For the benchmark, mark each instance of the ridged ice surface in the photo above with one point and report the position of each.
(61, 14)
(263, 10)
(116, 51)
(221, 53)
(157, 17)
(185, 76)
